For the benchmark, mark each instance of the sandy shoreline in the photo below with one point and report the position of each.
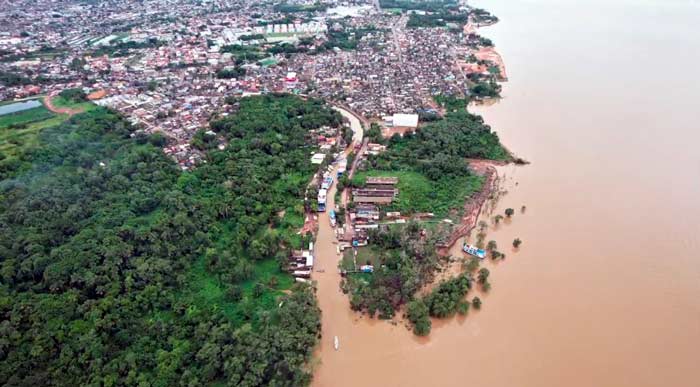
(488, 53)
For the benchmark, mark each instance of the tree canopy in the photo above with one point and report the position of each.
(117, 268)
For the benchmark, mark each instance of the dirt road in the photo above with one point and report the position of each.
(48, 102)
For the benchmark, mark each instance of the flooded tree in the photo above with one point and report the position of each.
(483, 275)
(517, 242)
(446, 299)
(472, 265)
(476, 302)
(463, 308)
(492, 245)
(417, 314)
(510, 212)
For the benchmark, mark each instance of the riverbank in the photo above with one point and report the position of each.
(487, 53)
(474, 205)
(490, 54)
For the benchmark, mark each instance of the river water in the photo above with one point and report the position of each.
(604, 100)
(18, 107)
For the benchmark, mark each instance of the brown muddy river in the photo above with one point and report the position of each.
(604, 100)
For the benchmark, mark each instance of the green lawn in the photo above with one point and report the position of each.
(283, 34)
(13, 139)
(364, 254)
(268, 62)
(31, 122)
(27, 124)
(417, 193)
(395, 11)
(25, 116)
(290, 224)
(61, 102)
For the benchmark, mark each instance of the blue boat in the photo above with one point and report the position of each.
(473, 250)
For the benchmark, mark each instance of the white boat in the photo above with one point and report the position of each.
(473, 250)
(335, 343)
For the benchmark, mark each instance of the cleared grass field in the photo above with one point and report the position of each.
(19, 130)
(417, 193)
(365, 255)
(25, 116)
(61, 102)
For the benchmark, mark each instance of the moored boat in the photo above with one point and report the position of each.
(473, 250)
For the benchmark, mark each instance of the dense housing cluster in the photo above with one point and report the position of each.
(169, 66)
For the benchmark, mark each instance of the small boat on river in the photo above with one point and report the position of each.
(336, 344)
(474, 251)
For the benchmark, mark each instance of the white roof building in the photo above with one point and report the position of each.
(407, 120)
(318, 158)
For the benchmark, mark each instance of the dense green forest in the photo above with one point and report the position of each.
(294, 8)
(435, 20)
(423, 5)
(346, 39)
(116, 268)
(440, 148)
